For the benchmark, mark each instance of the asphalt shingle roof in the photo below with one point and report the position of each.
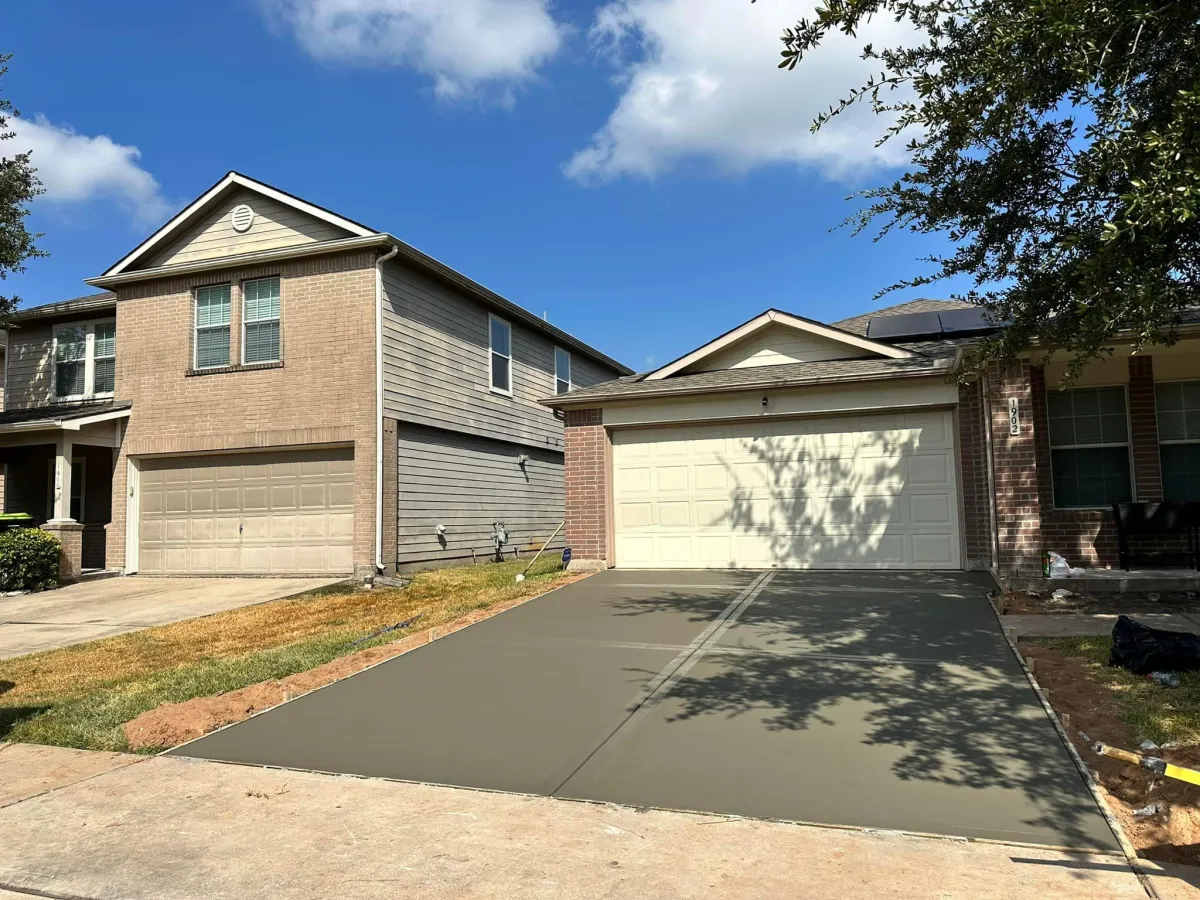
(59, 413)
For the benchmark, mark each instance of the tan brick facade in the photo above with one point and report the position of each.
(587, 467)
(322, 393)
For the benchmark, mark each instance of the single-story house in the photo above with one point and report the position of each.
(794, 443)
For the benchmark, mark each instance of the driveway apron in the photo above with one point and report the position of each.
(883, 700)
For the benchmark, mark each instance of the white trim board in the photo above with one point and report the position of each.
(774, 316)
(233, 179)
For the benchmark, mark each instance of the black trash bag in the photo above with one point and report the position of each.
(1142, 649)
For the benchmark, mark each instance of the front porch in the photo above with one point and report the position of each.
(58, 465)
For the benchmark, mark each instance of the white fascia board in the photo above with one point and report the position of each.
(232, 179)
(775, 316)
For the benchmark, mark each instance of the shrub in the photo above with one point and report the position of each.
(28, 560)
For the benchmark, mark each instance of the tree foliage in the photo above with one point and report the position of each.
(18, 186)
(1056, 143)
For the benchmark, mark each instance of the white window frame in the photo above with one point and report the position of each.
(196, 327)
(570, 371)
(247, 322)
(492, 352)
(1161, 442)
(1128, 445)
(89, 361)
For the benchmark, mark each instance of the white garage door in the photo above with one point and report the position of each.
(870, 491)
(273, 513)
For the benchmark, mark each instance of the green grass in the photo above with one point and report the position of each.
(80, 696)
(1151, 711)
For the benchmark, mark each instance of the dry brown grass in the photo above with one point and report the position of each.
(438, 597)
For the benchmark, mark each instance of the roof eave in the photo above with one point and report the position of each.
(940, 367)
(245, 259)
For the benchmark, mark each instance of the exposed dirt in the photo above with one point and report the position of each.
(1044, 604)
(1172, 835)
(172, 724)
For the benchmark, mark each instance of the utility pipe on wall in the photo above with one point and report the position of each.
(379, 566)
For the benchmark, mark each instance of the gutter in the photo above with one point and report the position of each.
(379, 566)
(940, 367)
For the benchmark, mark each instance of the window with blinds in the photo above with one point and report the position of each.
(260, 321)
(212, 326)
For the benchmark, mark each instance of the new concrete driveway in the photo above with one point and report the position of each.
(110, 606)
(885, 700)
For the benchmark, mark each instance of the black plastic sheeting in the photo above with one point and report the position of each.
(1142, 649)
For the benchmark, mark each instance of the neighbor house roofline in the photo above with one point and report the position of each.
(234, 179)
(775, 316)
(91, 303)
(940, 367)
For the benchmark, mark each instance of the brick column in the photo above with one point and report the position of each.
(391, 496)
(977, 530)
(1143, 420)
(586, 478)
(70, 560)
(1018, 516)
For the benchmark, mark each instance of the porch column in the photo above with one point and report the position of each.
(1015, 469)
(1143, 420)
(62, 480)
(61, 525)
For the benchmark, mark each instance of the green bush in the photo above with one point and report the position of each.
(28, 560)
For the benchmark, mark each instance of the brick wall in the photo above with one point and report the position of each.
(972, 452)
(1018, 522)
(323, 392)
(586, 475)
(1143, 422)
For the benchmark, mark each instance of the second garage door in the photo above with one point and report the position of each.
(272, 513)
(870, 491)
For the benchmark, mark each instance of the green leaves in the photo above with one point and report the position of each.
(18, 186)
(28, 560)
(1058, 148)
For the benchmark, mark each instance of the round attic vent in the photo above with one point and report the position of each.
(243, 217)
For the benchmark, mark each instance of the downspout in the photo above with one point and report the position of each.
(379, 566)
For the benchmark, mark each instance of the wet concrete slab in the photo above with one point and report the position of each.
(858, 699)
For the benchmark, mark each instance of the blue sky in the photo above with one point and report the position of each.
(637, 169)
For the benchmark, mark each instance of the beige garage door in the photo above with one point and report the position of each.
(273, 513)
(871, 491)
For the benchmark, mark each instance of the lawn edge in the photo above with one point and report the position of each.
(1128, 850)
(435, 633)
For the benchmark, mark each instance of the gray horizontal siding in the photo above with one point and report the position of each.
(467, 483)
(437, 365)
(30, 370)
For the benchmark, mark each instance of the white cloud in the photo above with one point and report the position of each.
(700, 80)
(461, 44)
(75, 168)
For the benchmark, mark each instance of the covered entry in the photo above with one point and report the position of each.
(278, 512)
(850, 492)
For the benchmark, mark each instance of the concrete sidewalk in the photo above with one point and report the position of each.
(175, 829)
(1076, 625)
(111, 606)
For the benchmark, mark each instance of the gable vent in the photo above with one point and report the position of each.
(242, 217)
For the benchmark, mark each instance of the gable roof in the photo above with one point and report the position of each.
(232, 181)
(92, 303)
(858, 324)
(777, 317)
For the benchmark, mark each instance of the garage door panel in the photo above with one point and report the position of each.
(869, 491)
(271, 512)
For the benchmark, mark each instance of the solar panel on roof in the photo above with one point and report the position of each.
(965, 321)
(907, 325)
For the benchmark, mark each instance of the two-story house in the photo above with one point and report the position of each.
(266, 387)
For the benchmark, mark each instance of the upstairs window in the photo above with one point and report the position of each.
(104, 371)
(1178, 407)
(500, 350)
(260, 317)
(1089, 447)
(562, 371)
(70, 363)
(212, 326)
(85, 357)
